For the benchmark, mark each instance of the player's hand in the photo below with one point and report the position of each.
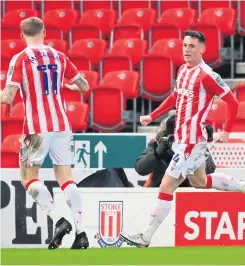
(221, 137)
(72, 87)
(145, 120)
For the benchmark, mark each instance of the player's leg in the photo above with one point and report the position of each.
(218, 181)
(170, 182)
(38, 191)
(34, 149)
(62, 154)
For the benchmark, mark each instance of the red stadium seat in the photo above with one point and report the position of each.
(170, 48)
(205, 4)
(239, 125)
(240, 91)
(214, 118)
(14, 17)
(213, 43)
(107, 117)
(9, 32)
(60, 45)
(9, 48)
(241, 111)
(5, 63)
(84, 32)
(126, 81)
(93, 49)
(141, 17)
(134, 49)
(157, 76)
(181, 18)
(69, 95)
(4, 111)
(13, 5)
(158, 32)
(241, 17)
(48, 5)
(14, 124)
(93, 79)
(125, 4)
(3, 76)
(126, 32)
(104, 19)
(64, 19)
(168, 4)
(88, 5)
(81, 62)
(53, 33)
(113, 63)
(223, 18)
(74, 96)
(10, 151)
(77, 113)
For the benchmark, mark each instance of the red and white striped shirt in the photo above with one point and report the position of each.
(39, 72)
(193, 97)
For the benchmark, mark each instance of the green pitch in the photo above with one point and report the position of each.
(126, 256)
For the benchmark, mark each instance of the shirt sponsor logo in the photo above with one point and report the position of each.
(185, 92)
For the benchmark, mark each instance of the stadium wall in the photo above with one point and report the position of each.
(198, 217)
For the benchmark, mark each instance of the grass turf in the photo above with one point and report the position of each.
(128, 256)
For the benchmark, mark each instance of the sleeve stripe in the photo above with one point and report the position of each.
(224, 93)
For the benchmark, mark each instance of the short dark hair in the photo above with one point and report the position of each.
(196, 34)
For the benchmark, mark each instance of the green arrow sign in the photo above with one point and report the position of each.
(106, 150)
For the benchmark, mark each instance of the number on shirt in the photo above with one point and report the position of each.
(54, 76)
(176, 158)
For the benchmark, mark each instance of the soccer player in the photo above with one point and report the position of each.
(193, 94)
(38, 72)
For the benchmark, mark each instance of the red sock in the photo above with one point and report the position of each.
(209, 182)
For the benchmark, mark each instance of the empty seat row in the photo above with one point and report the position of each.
(104, 117)
(154, 84)
(125, 54)
(104, 20)
(120, 6)
(13, 124)
(217, 121)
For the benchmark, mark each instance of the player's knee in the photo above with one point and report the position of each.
(198, 183)
(63, 173)
(28, 173)
(168, 184)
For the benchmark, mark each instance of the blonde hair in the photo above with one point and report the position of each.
(31, 26)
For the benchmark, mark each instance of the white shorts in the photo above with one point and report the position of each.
(59, 146)
(187, 159)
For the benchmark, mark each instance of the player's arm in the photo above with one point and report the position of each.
(215, 85)
(166, 106)
(71, 73)
(7, 95)
(14, 80)
(80, 85)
